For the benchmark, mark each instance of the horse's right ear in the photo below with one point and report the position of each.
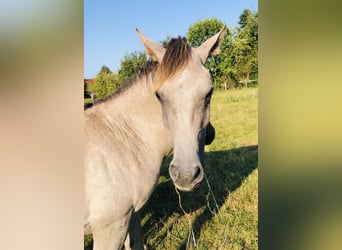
(211, 46)
(153, 49)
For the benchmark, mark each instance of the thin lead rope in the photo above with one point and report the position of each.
(212, 194)
(191, 231)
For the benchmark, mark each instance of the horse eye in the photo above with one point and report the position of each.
(208, 96)
(158, 97)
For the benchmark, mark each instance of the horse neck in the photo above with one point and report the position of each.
(138, 107)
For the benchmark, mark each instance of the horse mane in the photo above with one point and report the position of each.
(149, 67)
(176, 56)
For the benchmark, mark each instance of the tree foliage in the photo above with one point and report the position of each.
(131, 65)
(202, 30)
(165, 41)
(245, 50)
(104, 84)
(238, 58)
(199, 33)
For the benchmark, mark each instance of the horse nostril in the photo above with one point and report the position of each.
(197, 173)
(173, 172)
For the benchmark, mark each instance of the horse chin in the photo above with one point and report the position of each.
(186, 188)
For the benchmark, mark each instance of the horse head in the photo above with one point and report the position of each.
(184, 88)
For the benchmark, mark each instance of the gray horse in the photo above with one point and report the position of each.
(128, 134)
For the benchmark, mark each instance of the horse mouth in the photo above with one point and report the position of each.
(188, 188)
(184, 189)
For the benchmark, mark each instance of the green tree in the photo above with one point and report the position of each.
(105, 70)
(238, 59)
(245, 49)
(217, 65)
(200, 31)
(104, 84)
(131, 65)
(165, 41)
(245, 18)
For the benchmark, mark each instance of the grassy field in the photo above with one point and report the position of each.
(223, 212)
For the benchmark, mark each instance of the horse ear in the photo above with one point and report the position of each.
(211, 46)
(153, 49)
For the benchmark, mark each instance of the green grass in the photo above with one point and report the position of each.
(223, 212)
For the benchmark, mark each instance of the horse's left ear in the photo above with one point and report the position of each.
(211, 46)
(209, 134)
(153, 49)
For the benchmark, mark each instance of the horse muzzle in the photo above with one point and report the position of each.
(186, 179)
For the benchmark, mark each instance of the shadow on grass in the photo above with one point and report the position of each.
(225, 171)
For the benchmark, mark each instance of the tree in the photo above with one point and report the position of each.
(200, 32)
(245, 18)
(165, 41)
(105, 70)
(131, 65)
(245, 49)
(238, 59)
(104, 84)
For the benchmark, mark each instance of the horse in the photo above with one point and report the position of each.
(128, 134)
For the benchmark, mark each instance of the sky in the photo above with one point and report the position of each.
(109, 26)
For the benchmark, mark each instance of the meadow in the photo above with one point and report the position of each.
(223, 212)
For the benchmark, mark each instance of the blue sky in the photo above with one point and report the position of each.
(109, 26)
